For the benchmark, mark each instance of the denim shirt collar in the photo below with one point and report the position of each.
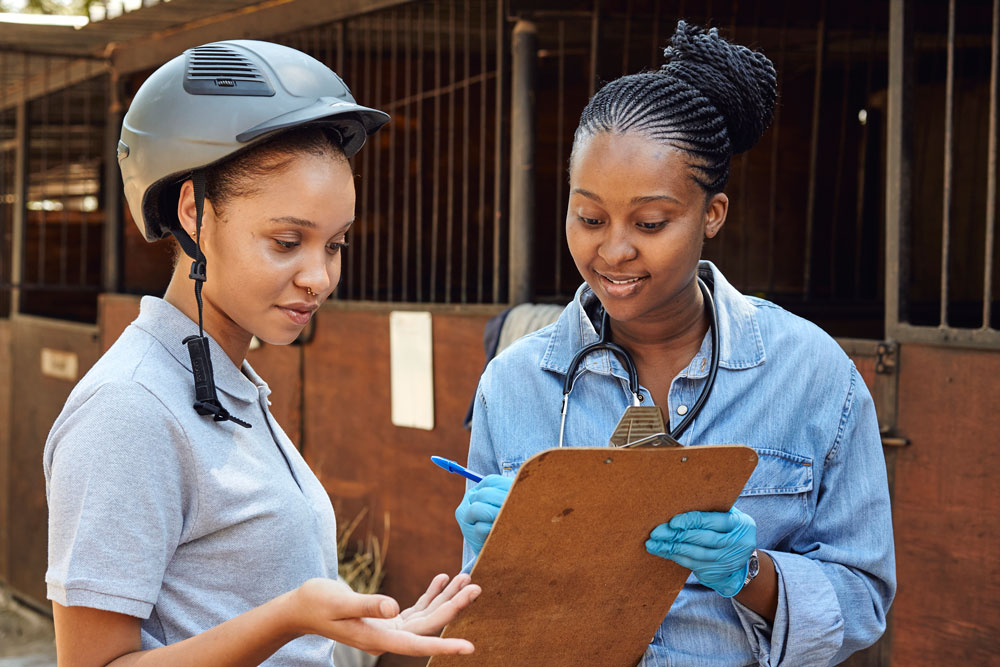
(740, 340)
(170, 326)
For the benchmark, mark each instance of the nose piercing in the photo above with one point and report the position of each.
(310, 292)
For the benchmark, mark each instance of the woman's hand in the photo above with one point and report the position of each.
(374, 623)
(480, 507)
(716, 546)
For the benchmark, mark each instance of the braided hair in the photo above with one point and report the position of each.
(711, 99)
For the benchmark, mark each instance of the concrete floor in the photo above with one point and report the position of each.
(26, 637)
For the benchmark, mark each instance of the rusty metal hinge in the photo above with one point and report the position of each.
(885, 357)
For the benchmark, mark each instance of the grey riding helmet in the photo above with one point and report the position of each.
(215, 100)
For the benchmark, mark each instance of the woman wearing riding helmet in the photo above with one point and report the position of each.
(184, 526)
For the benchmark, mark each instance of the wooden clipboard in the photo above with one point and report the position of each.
(565, 574)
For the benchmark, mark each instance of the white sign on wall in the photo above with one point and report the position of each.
(412, 369)
(60, 364)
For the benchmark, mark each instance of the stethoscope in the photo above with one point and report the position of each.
(633, 375)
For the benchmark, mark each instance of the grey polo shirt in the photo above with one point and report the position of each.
(160, 513)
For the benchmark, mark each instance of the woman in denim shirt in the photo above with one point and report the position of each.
(650, 160)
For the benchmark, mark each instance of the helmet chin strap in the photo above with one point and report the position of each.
(206, 399)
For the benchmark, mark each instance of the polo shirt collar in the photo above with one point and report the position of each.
(740, 342)
(170, 326)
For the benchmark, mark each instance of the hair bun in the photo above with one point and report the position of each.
(739, 82)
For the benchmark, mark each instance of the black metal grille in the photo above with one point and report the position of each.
(430, 192)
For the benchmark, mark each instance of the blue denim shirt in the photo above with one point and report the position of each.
(819, 492)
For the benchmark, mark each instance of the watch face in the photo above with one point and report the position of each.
(753, 567)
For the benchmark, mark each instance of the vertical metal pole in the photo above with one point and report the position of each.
(111, 256)
(560, 220)
(991, 170)
(419, 183)
(20, 205)
(498, 151)
(393, 189)
(436, 155)
(595, 33)
(949, 145)
(524, 52)
(772, 199)
(407, 134)
(449, 261)
(898, 152)
(378, 23)
(814, 149)
(483, 65)
(466, 217)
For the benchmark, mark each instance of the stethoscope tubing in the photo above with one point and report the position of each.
(633, 375)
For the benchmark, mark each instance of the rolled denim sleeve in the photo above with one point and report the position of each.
(482, 456)
(838, 579)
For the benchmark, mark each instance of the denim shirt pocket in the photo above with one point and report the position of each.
(778, 493)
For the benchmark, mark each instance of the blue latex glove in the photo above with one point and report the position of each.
(716, 546)
(480, 507)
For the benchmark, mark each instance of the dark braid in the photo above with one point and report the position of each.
(711, 99)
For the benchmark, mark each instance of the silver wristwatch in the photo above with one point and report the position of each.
(753, 568)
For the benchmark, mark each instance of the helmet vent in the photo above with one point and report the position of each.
(218, 70)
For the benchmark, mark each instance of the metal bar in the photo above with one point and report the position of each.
(654, 55)
(772, 198)
(947, 336)
(366, 159)
(814, 149)
(64, 222)
(377, 23)
(560, 220)
(524, 49)
(419, 219)
(341, 45)
(626, 38)
(898, 152)
(949, 146)
(450, 218)
(859, 211)
(111, 253)
(407, 133)
(19, 205)
(42, 182)
(595, 27)
(838, 179)
(84, 246)
(390, 227)
(481, 246)
(351, 260)
(991, 169)
(467, 67)
(436, 152)
(498, 150)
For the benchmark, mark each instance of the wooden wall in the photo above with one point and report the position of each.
(5, 427)
(332, 395)
(36, 400)
(946, 511)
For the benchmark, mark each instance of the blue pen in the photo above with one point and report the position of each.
(451, 466)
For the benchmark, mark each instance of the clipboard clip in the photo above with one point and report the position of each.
(642, 427)
(655, 440)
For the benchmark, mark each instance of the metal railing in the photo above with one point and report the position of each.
(942, 174)
(430, 194)
(58, 267)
